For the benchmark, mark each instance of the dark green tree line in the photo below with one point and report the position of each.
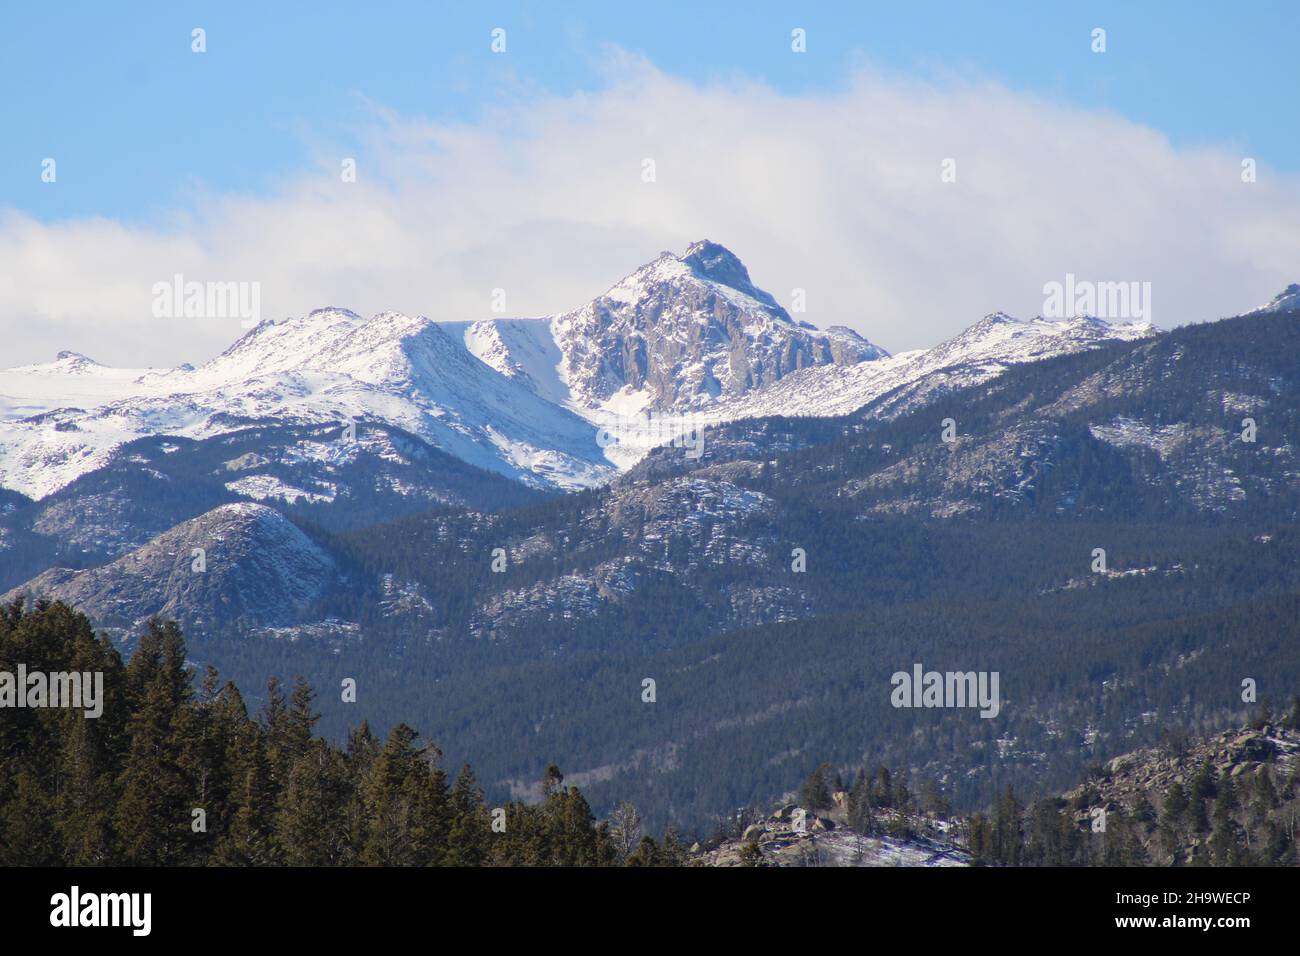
(174, 774)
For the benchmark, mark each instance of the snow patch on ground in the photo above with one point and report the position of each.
(262, 487)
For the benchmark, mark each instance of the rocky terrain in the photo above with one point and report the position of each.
(237, 563)
(1130, 794)
(1150, 772)
(791, 836)
(684, 332)
(346, 421)
(1261, 764)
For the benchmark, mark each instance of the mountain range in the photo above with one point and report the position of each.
(518, 397)
(428, 508)
(689, 339)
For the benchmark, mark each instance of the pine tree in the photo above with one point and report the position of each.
(861, 809)
(471, 824)
(85, 794)
(1144, 813)
(882, 793)
(1007, 835)
(358, 762)
(153, 815)
(569, 824)
(1123, 847)
(814, 794)
(250, 839)
(227, 725)
(1203, 790)
(311, 819)
(293, 733)
(647, 853)
(1172, 821)
(274, 719)
(1225, 842)
(83, 787)
(980, 839)
(27, 823)
(407, 806)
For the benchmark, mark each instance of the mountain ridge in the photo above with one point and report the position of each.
(687, 338)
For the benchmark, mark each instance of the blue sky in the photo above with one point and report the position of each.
(139, 125)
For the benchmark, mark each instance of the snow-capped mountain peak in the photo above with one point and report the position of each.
(1285, 301)
(716, 263)
(75, 361)
(65, 362)
(707, 266)
(684, 332)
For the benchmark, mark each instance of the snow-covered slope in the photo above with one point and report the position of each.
(979, 353)
(519, 397)
(689, 339)
(331, 366)
(71, 380)
(520, 349)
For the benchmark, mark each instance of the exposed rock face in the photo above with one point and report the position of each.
(683, 332)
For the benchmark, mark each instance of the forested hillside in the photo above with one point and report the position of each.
(174, 774)
(177, 772)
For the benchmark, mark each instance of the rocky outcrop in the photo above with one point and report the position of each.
(792, 836)
(683, 332)
(1151, 772)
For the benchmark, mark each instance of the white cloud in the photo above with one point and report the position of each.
(837, 193)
